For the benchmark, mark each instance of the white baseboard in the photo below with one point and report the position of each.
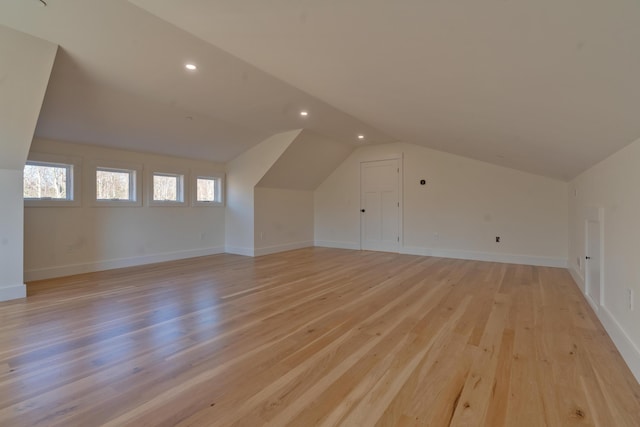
(629, 351)
(281, 248)
(627, 348)
(337, 245)
(239, 251)
(470, 255)
(487, 256)
(410, 250)
(578, 278)
(89, 267)
(13, 292)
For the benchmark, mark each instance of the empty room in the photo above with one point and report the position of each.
(334, 213)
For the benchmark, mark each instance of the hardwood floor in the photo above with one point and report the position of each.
(311, 337)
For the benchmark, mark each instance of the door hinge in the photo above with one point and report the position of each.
(398, 204)
(398, 239)
(398, 170)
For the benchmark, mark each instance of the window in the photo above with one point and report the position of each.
(164, 186)
(51, 180)
(208, 190)
(116, 184)
(47, 181)
(168, 188)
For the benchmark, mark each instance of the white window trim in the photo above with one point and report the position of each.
(195, 174)
(112, 164)
(75, 181)
(170, 172)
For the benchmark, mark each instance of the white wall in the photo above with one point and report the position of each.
(11, 240)
(283, 220)
(466, 202)
(243, 173)
(306, 162)
(68, 240)
(283, 197)
(25, 67)
(612, 185)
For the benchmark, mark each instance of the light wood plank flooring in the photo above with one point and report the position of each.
(311, 337)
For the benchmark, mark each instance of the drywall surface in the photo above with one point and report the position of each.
(613, 186)
(24, 74)
(25, 67)
(306, 162)
(68, 240)
(464, 205)
(11, 240)
(243, 173)
(283, 220)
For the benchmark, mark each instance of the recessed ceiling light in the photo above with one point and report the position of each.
(304, 113)
(360, 136)
(190, 67)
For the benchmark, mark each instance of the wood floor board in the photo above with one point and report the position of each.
(312, 337)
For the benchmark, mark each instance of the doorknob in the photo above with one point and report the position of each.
(362, 210)
(587, 257)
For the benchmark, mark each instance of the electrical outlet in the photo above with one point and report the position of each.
(630, 298)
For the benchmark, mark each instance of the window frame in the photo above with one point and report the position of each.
(135, 183)
(218, 177)
(74, 180)
(182, 175)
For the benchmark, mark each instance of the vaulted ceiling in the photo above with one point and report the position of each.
(549, 87)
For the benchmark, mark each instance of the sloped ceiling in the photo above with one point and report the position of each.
(545, 86)
(119, 80)
(307, 162)
(25, 68)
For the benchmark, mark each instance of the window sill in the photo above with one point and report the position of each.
(52, 203)
(117, 203)
(168, 203)
(207, 204)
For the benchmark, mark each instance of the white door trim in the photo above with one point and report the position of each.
(594, 214)
(400, 158)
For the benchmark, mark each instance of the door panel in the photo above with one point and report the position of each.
(593, 261)
(373, 216)
(379, 182)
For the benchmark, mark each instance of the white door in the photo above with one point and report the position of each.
(380, 205)
(593, 261)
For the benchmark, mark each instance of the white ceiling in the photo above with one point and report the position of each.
(547, 86)
(119, 80)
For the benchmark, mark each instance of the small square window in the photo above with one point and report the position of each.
(48, 181)
(168, 188)
(208, 191)
(115, 185)
(51, 180)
